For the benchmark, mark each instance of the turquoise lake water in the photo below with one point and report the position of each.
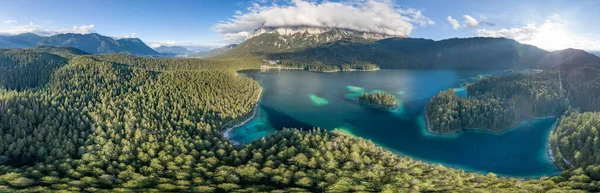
(301, 99)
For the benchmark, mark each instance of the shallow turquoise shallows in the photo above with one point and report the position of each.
(300, 99)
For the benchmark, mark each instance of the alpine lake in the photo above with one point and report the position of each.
(302, 99)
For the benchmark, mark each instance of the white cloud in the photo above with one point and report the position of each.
(165, 43)
(84, 29)
(553, 34)
(10, 22)
(379, 16)
(31, 28)
(37, 29)
(470, 21)
(453, 22)
(132, 35)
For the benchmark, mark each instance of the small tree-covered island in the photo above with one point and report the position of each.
(381, 100)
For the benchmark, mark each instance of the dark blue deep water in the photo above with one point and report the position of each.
(301, 99)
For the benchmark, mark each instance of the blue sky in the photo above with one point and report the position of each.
(550, 24)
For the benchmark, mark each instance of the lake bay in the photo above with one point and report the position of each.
(301, 99)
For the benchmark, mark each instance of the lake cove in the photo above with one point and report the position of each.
(301, 99)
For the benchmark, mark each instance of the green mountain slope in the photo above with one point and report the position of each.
(95, 43)
(491, 53)
(25, 69)
(135, 46)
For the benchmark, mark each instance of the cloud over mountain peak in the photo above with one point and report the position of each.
(376, 16)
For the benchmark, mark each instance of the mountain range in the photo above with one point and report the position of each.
(214, 52)
(91, 43)
(175, 51)
(303, 45)
(325, 46)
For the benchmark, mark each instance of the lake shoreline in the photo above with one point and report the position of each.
(264, 67)
(549, 148)
(394, 131)
(226, 133)
(379, 107)
(429, 130)
(558, 153)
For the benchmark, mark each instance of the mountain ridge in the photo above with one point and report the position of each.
(98, 44)
(214, 52)
(316, 31)
(91, 43)
(301, 49)
(173, 50)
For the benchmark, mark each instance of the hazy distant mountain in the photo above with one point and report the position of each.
(596, 53)
(10, 42)
(95, 43)
(30, 38)
(135, 46)
(214, 52)
(173, 50)
(24, 40)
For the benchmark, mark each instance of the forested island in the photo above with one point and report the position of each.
(379, 100)
(498, 103)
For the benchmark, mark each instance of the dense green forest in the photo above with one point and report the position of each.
(497, 103)
(379, 99)
(393, 53)
(115, 123)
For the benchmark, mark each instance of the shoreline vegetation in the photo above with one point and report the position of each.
(575, 141)
(554, 148)
(430, 130)
(498, 103)
(549, 146)
(322, 69)
(242, 123)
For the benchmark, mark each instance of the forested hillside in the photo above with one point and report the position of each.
(24, 69)
(489, 53)
(116, 123)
